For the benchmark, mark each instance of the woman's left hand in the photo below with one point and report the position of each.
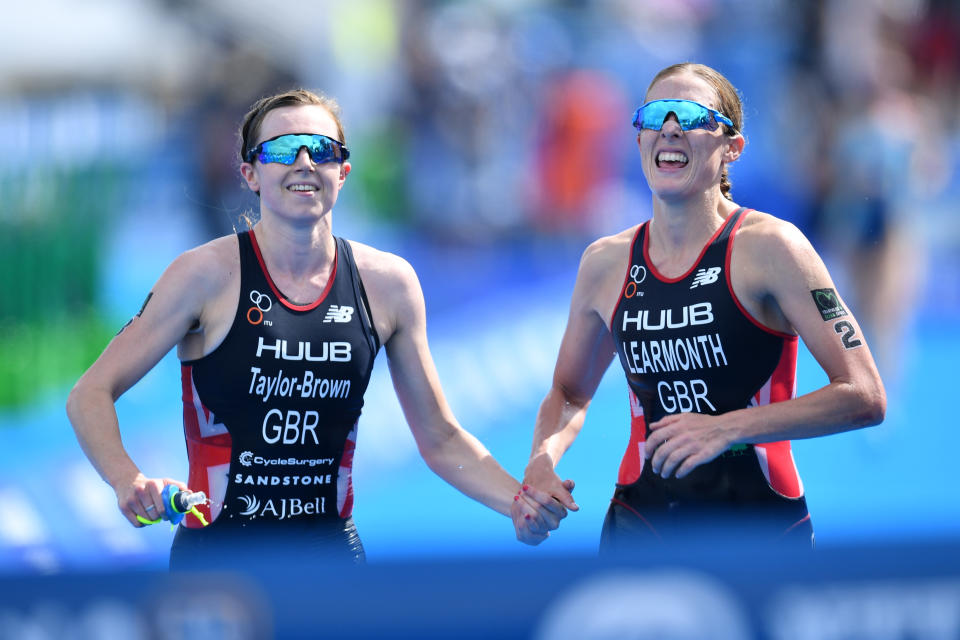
(681, 442)
(536, 513)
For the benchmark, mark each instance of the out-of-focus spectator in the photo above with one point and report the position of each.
(236, 79)
(879, 133)
(869, 212)
(583, 115)
(467, 112)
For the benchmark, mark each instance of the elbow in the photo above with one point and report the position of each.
(879, 408)
(570, 397)
(872, 407)
(435, 452)
(73, 400)
(451, 454)
(85, 393)
(444, 466)
(431, 459)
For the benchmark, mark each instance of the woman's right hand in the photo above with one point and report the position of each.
(540, 474)
(141, 497)
(548, 494)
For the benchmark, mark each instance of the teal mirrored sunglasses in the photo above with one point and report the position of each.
(284, 149)
(690, 115)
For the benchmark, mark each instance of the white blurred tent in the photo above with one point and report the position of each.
(53, 44)
(167, 46)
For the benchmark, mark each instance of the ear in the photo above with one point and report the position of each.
(250, 175)
(344, 172)
(734, 148)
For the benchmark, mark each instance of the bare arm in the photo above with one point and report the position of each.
(784, 298)
(585, 353)
(448, 449)
(170, 311)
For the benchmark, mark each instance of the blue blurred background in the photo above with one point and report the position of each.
(491, 142)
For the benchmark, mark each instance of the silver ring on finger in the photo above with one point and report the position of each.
(150, 508)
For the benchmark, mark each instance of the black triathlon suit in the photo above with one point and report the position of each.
(686, 344)
(270, 421)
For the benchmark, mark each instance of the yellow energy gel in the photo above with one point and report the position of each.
(199, 515)
(193, 510)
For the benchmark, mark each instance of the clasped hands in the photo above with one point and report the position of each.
(541, 503)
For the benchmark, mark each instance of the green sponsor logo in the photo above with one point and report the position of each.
(828, 303)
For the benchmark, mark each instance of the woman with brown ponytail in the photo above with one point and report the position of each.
(277, 329)
(704, 305)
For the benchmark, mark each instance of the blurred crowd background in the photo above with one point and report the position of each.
(491, 142)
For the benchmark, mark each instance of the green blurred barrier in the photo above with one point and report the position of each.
(54, 224)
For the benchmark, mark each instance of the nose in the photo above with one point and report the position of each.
(671, 125)
(303, 159)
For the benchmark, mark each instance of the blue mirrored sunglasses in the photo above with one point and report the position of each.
(284, 149)
(690, 115)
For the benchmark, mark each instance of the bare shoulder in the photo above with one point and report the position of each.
(603, 267)
(192, 303)
(208, 267)
(382, 269)
(605, 256)
(217, 254)
(766, 232)
(772, 264)
(769, 242)
(393, 290)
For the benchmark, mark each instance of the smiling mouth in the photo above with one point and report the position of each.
(302, 188)
(671, 159)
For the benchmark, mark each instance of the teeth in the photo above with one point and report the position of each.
(301, 187)
(671, 156)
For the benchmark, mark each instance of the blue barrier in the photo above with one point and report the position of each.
(903, 591)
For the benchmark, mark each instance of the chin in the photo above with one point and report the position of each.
(670, 194)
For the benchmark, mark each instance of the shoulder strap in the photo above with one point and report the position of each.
(360, 294)
(639, 240)
(246, 247)
(732, 220)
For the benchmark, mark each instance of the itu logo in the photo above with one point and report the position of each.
(705, 276)
(638, 273)
(261, 304)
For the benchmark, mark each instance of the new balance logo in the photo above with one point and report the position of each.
(342, 314)
(705, 276)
